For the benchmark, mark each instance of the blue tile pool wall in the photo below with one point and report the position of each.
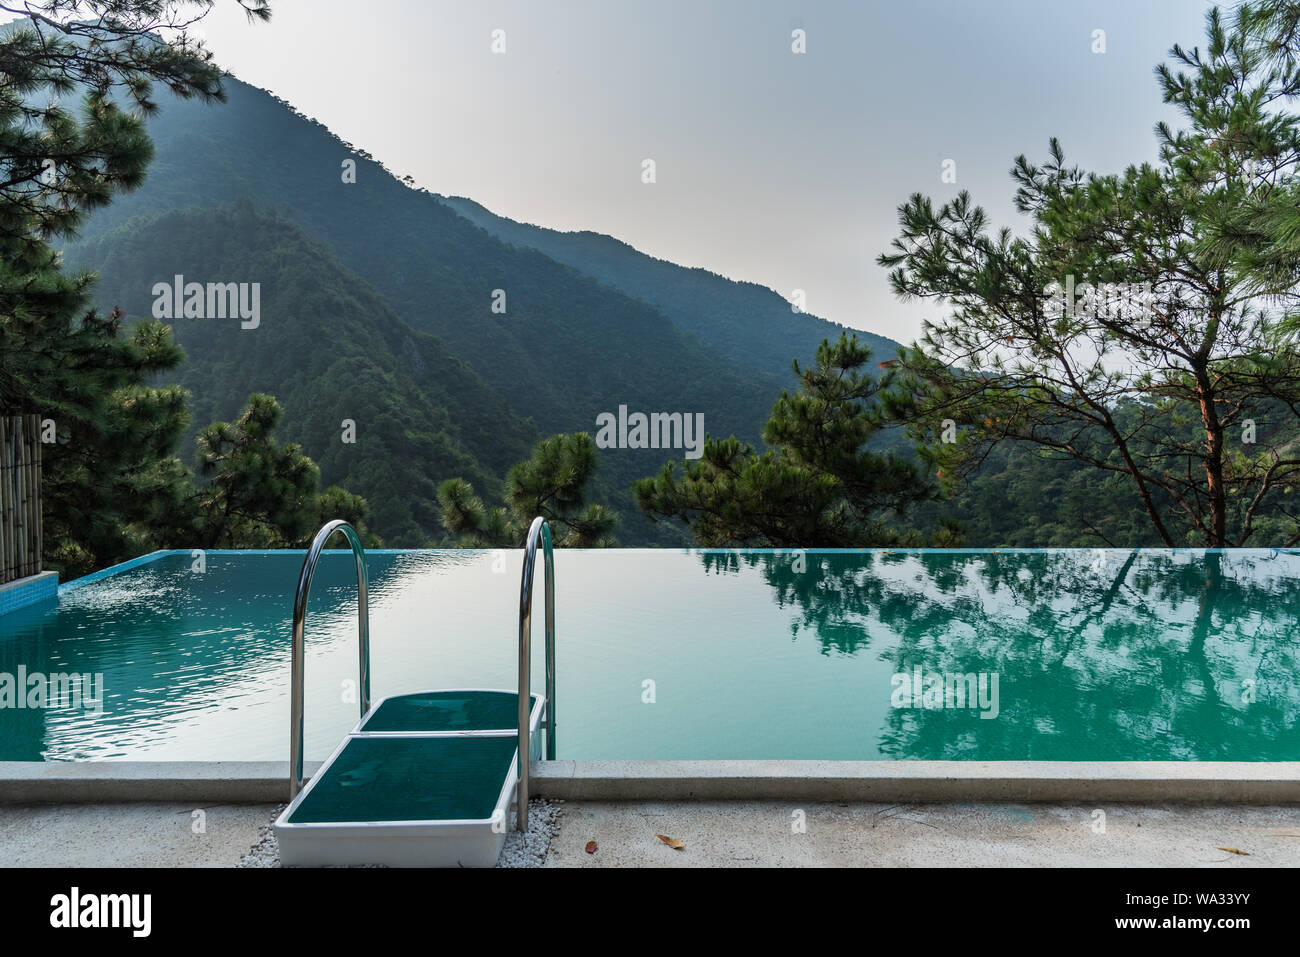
(28, 591)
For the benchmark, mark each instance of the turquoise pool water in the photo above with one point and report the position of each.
(1071, 655)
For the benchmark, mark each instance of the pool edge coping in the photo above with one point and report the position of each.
(1062, 782)
(149, 557)
(137, 562)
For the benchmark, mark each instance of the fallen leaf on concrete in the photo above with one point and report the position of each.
(591, 847)
(1233, 850)
(672, 842)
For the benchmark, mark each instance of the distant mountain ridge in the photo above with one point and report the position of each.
(745, 321)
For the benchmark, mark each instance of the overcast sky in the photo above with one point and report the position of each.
(773, 167)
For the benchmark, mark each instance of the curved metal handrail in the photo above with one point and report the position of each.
(540, 529)
(299, 620)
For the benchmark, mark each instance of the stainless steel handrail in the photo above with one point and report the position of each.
(538, 530)
(299, 620)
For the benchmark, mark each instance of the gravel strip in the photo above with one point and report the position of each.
(528, 848)
(266, 852)
(521, 849)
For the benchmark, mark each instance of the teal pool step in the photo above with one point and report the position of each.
(446, 711)
(424, 780)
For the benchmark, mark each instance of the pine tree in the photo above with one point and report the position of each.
(112, 486)
(819, 485)
(1176, 367)
(552, 483)
(58, 163)
(258, 493)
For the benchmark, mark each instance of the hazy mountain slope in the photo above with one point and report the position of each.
(329, 348)
(567, 349)
(563, 351)
(750, 323)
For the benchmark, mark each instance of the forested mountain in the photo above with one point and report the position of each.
(328, 347)
(566, 349)
(747, 322)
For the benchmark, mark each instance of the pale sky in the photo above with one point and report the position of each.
(773, 167)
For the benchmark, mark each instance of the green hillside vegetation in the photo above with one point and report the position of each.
(1023, 496)
(329, 349)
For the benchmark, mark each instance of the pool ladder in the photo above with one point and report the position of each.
(539, 532)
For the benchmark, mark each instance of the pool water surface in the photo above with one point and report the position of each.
(1058, 655)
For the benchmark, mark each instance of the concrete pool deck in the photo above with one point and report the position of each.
(782, 834)
(1214, 782)
(128, 834)
(719, 834)
(726, 813)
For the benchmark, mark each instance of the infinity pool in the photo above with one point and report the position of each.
(974, 655)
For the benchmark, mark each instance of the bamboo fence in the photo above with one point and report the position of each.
(20, 497)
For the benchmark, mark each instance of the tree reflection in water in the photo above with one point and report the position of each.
(1102, 655)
